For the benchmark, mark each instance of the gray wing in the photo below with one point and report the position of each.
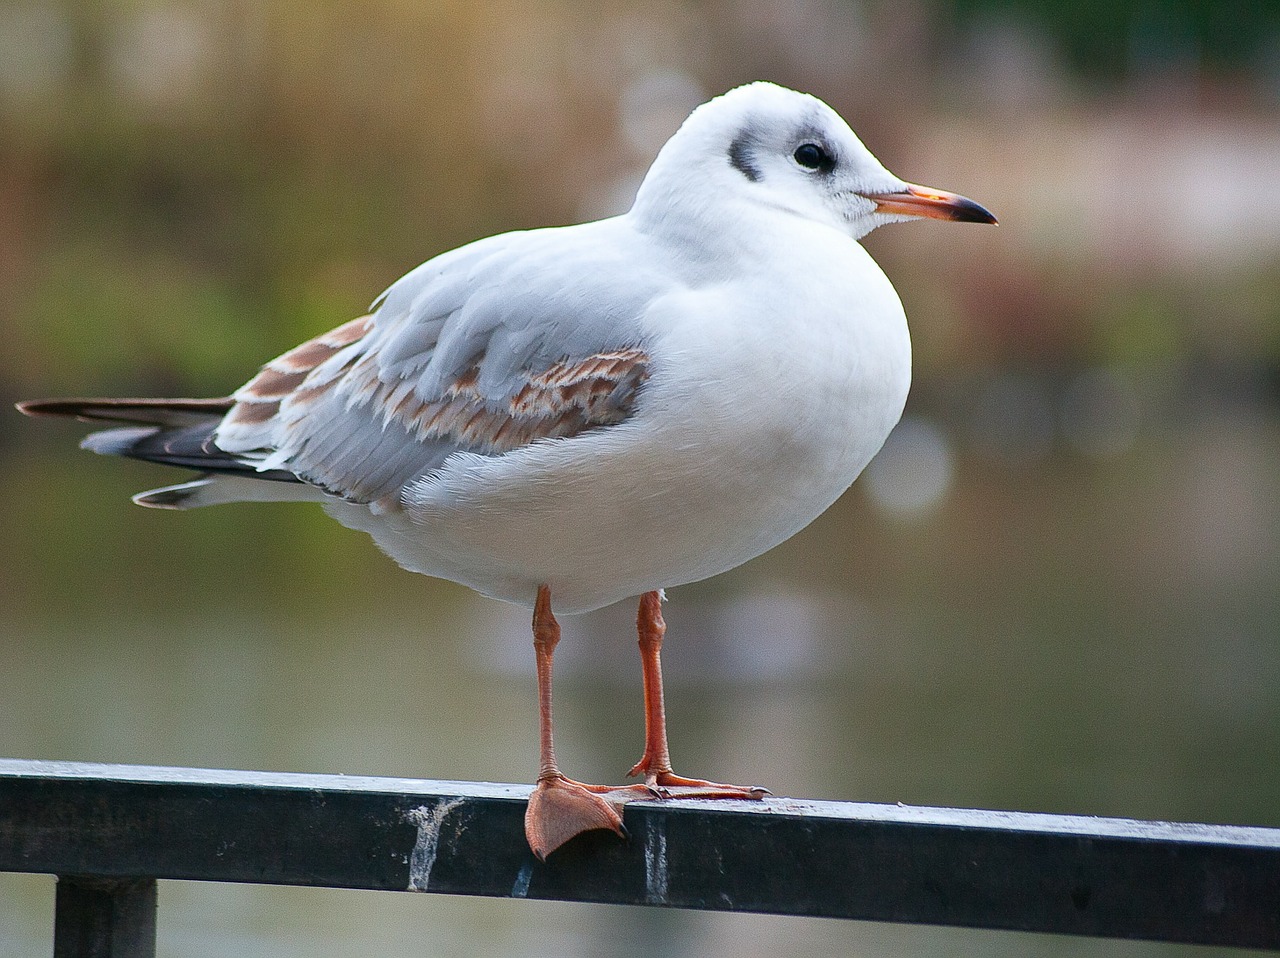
(520, 337)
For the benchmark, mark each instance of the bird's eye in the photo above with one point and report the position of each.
(812, 157)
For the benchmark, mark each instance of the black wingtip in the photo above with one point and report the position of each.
(148, 412)
(41, 407)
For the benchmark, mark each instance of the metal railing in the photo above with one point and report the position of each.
(110, 831)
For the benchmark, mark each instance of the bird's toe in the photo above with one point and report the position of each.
(560, 809)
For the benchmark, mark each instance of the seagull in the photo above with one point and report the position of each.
(575, 415)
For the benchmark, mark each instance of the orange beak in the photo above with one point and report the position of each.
(935, 204)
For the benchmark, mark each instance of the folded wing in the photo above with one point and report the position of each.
(480, 350)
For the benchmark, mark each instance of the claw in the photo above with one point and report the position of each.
(667, 784)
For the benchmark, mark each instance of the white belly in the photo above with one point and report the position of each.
(743, 438)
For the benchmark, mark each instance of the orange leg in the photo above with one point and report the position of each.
(655, 764)
(559, 807)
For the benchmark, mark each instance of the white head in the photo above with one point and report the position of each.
(790, 151)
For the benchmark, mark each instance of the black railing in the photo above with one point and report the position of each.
(110, 831)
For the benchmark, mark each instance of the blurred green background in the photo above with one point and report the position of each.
(1055, 590)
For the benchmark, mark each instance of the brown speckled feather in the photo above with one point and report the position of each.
(324, 412)
(258, 400)
(480, 351)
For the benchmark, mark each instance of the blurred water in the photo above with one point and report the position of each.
(1088, 637)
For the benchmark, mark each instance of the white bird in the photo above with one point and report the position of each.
(584, 413)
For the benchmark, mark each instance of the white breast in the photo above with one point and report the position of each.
(769, 395)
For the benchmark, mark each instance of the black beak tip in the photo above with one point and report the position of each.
(967, 211)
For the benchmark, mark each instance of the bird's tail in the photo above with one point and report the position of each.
(173, 432)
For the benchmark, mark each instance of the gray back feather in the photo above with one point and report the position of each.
(511, 339)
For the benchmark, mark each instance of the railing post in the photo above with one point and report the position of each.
(104, 918)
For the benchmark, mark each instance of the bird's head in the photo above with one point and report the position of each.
(769, 145)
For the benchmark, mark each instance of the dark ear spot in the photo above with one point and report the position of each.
(740, 158)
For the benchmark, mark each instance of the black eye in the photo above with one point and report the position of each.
(812, 157)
